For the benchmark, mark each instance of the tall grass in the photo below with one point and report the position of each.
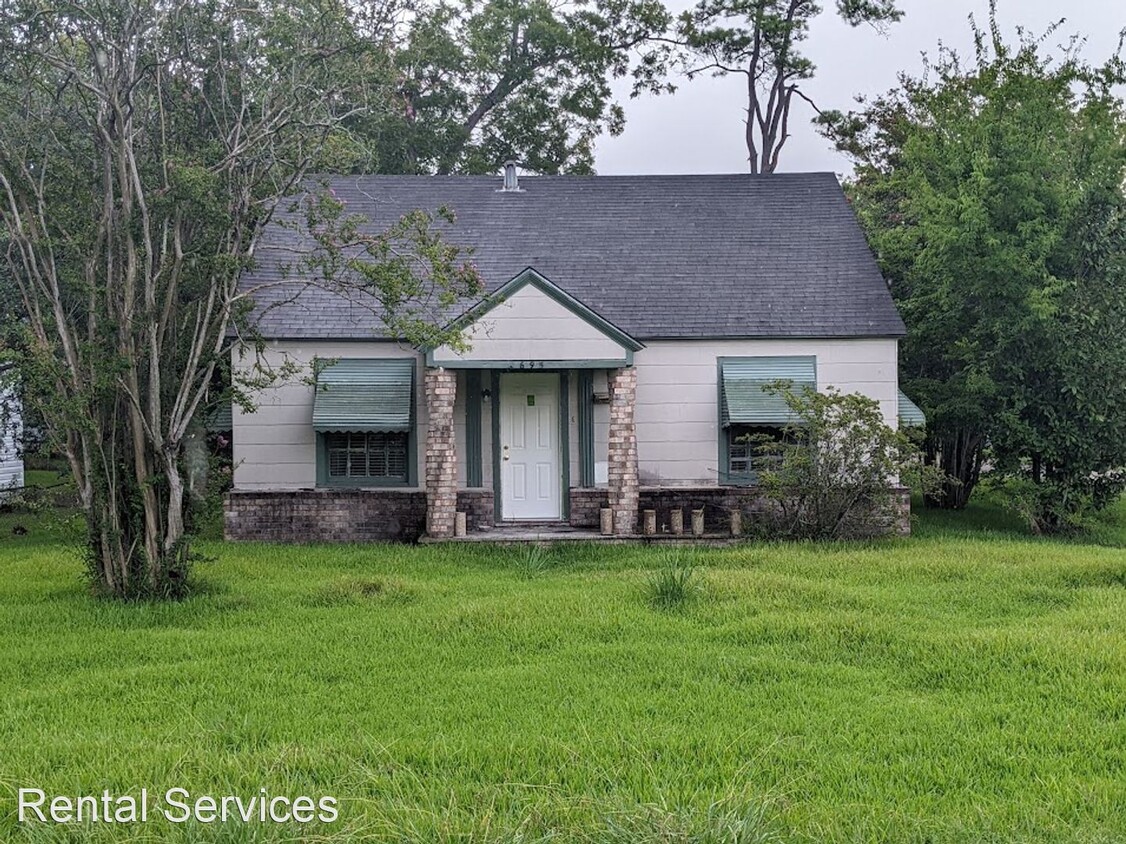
(962, 686)
(674, 583)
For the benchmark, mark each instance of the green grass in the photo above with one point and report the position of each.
(966, 685)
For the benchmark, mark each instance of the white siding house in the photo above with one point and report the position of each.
(617, 359)
(11, 460)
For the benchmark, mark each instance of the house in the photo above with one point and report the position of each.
(617, 362)
(11, 429)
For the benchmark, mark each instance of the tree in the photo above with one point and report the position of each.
(144, 147)
(993, 197)
(473, 84)
(761, 40)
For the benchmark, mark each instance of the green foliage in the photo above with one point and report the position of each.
(673, 584)
(992, 193)
(761, 40)
(533, 559)
(144, 147)
(407, 274)
(833, 473)
(470, 85)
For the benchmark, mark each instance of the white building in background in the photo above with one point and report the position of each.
(11, 459)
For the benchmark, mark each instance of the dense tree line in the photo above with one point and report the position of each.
(992, 192)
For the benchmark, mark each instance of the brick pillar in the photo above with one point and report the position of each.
(623, 451)
(441, 454)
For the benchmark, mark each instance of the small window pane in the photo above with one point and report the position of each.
(357, 456)
(376, 455)
(337, 446)
(744, 442)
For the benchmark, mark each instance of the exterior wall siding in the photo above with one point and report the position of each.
(677, 413)
(531, 324)
(275, 447)
(11, 463)
(678, 424)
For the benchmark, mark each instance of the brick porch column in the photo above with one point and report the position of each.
(623, 451)
(441, 456)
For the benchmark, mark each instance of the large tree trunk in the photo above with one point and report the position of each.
(959, 455)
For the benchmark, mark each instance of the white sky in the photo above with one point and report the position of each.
(699, 129)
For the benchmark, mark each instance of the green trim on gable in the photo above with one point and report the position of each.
(531, 365)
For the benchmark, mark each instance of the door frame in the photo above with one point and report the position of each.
(564, 438)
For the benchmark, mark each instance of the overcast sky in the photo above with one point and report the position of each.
(699, 129)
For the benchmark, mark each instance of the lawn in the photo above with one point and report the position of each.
(968, 684)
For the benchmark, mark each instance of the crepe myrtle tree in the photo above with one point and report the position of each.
(761, 41)
(833, 471)
(144, 146)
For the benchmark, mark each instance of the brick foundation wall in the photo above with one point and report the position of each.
(477, 504)
(325, 515)
(341, 515)
(586, 505)
(718, 502)
(366, 515)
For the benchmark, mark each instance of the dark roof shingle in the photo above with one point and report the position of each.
(661, 257)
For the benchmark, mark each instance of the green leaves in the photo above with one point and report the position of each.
(992, 195)
(476, 83)
(760, 39)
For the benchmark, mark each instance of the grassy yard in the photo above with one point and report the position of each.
(966, 685)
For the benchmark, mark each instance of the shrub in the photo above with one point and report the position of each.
(834, 471)
(672, 585)
(534, 559)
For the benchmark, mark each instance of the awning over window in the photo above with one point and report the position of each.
(909, 413)
(745, 402)
(219, 420)
(364, 395)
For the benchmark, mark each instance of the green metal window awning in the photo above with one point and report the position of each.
(910, 414)
(742, 382)
(220, 420)
(365, 395)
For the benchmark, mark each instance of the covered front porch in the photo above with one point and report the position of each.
(538, 410)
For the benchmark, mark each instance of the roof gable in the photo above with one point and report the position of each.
(529, 318)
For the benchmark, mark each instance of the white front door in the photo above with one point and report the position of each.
(531, 477)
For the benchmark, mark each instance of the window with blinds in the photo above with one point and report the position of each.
(744, 456)
(375, 455)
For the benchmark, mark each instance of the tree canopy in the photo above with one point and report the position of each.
(761, 40)
(992, 192)
(143, 149)
(466, 86)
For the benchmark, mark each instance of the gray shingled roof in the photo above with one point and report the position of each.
(658, 256)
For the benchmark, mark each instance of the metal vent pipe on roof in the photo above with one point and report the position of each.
(511, 178)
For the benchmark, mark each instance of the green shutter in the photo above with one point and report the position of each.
(586, 427)
(473, 428)
(910, 414)
(745, 401)
(365, 395)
